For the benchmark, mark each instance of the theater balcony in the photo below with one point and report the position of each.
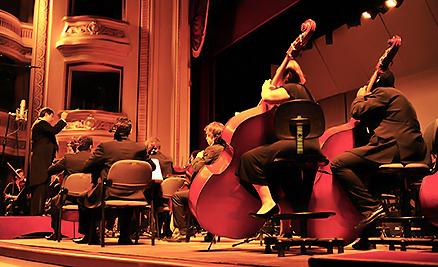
(95, 35)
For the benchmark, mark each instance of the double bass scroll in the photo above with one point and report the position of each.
(384, 61)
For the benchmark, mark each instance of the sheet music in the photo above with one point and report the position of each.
(156, 174)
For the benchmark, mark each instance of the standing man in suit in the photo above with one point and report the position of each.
(395, 138)
(69, 164)
(105, 155)
(44, 148)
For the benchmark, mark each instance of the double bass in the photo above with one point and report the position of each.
(328, 195)
(216, 198)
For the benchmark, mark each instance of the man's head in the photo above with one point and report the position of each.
(122, 128)
(46, 114)
(293, 73)
(84, 143)
(213, 132)
(153, 145)
(385, 79)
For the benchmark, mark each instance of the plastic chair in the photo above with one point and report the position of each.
(71, 186)
(128, 176)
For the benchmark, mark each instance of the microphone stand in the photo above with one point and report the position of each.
(7, 135)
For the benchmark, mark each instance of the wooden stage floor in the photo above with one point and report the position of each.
(32, 251)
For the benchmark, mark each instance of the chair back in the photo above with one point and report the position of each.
(77, 183)
(289, 111)
(130, 175)
(170, 185)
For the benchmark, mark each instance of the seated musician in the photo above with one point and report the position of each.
(153, 146)
(104, 156)
(11, 193)
(180, 199)
(254, 166)
(395, 138)
(70, 163)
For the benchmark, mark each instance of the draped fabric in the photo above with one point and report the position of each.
(198, 24)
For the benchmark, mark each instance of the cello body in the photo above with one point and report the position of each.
(216, 198)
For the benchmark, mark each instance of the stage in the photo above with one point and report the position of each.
(42, 252)
(22, 243)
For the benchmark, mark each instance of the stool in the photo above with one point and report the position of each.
(283, 243)
(409, 176)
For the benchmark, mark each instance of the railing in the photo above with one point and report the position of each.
(9, 22)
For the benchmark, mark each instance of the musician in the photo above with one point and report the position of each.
(153, 146)
(254, 166)
(106, 154)
(44, 147)
(209, 155)
(11, 194)
(395, 138)
(70, 163)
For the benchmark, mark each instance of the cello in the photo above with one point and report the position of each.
(328, 195)
(216, 198)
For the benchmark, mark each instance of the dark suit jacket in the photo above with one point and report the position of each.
(44, 147)
(105, 155)
(166, 163)
(70, 163)
(392, 120)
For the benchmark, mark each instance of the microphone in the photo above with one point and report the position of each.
(21, 113)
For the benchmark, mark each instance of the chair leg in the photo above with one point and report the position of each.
(137, 230)
(102, 226)
(58, 226)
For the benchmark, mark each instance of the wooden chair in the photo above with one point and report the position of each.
(128, 176)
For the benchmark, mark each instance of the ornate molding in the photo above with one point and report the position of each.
(17, 47)
(94, 28)
(94, 35)
(40, 56)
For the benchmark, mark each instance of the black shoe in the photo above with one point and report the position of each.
(379, 213)
(84, 240)
(363, 245)
(266, 215)
(124, 240)
(177, 238)
(52, 236)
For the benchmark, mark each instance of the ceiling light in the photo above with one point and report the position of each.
(391, 3)
(366, 15)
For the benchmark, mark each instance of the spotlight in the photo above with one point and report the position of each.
(391, 3)
(366, 15)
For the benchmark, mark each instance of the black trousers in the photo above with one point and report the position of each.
(180, 201)
(352, 172)
(38, 200)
